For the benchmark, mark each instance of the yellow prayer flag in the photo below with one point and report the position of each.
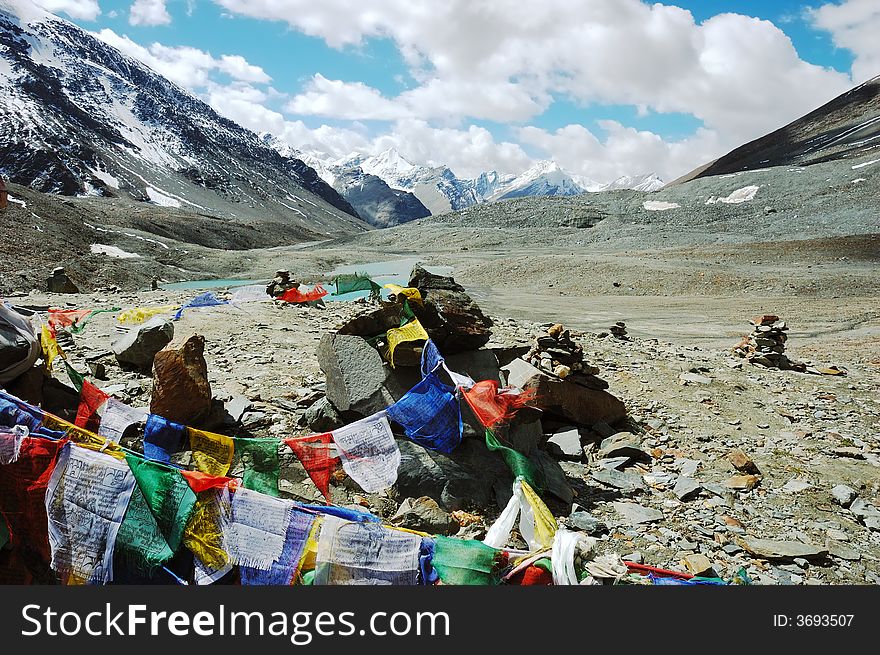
(141, 314)
(310, 553)
(203, 535)
(212, 453)
(410, 293)
(82, 437)
(545, 524)
(50, 347)
(412, 331)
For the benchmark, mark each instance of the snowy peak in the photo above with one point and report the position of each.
(545, 178)
(649, 182)
(387, 165)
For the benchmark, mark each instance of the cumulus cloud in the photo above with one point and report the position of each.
(188, 67)
(79, 9)
(149, 12)
(854, 25)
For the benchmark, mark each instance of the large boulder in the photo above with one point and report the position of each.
(449, 315)
(59, 282)
(569, 400)
(181, 391)
(359, 383)
(138, 347)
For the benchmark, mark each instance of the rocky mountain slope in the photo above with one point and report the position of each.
(846, 128)
(77, 117)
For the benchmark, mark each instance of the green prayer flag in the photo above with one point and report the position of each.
(356, 282)
(464, 562)
(519, 464)
(160, 505)
(79, 326)
(261, 465)
(76, 378)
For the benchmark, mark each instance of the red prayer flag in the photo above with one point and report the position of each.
(200, 482)
(314, 454)
(492, 406)
(61, 318)
(23, 486)
(91, 399)
(297, 296)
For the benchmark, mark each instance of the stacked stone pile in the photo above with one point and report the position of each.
(765, 346)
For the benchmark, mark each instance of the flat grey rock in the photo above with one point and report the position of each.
(634, 514)
(686, 488)
(626, 482)
(844, 495)
(772, 549)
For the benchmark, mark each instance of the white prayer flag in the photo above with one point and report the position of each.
(369, 452)
(256, 528)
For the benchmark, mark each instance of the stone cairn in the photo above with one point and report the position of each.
(555, 352)
(618, 331)
(765, 346)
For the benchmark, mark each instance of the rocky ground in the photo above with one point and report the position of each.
(695, 415)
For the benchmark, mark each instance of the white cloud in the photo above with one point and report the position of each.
(345, 100)
(149, 12)
(854, 25)
(188, 67)
(78, 9)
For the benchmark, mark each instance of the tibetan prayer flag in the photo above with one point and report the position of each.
(432, 360)
(62, 318)
(51, 349)
(76, 378)
(410, 293)
(116, 417)
(430, 415)
(200, 482)
(261, 465)
(14, 411)
(203, 535)
(141, 314)
(369, 452)
(207, 299)
(519, 464)
(81, 436)
(412, 331)
(365, 553)
(318, 458)
(283, 569)
(91, 399)
(465, 562)
(256, 529)
(536, 523)
(212, 453)
(86, 502)
(24, 479)
(297, 296)
(157, 515)
(162, 438)
(492, 406)
(351, 282)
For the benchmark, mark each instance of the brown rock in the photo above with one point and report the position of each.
(181, 391)
(765, 319)
(564, 398)
(743, 482)
(556, 330)
(742, 462)
(699, 565)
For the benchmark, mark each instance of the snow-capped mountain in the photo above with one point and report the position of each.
(545, 178)
(78, 117)
(648, 182)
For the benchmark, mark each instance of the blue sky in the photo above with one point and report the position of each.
(425, 84)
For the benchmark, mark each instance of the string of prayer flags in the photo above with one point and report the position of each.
(296, 296)
(365, 553)
(465, 562)
(369, 452)
(430, 415)
(207, 299)
(519, 464)
(350, 282)
(536, 523)
(261, 465)
(283, 570)
(140, 314)
(116, 417)
(62, 318)
(412, 331)
(318, 459)
(212, 453)
(91, 400)
(25, 472)
(162, 438)
(157, 515)
(256, 529)
(86, 501)
(410, 293)
(492, 406)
